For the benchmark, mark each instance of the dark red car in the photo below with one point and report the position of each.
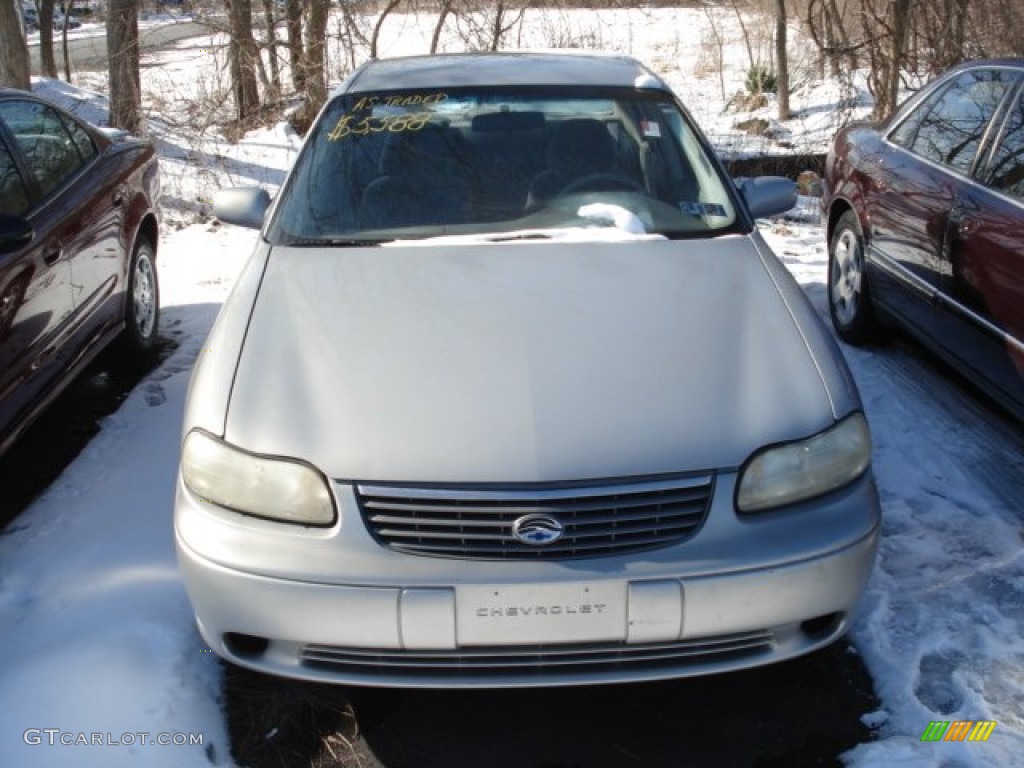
(926, 224)
(78, 237)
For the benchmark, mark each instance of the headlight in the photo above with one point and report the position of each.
(280, 489)
(785, 474)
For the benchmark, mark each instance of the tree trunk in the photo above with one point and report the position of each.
(293, 16)
(14, 66)
(123, 58)
(392, 4)
(499, 17)
(746, 35)
(719, 46)
(900, 25)
(275, 66)
(243, 53)
(839, 37)
(959, 37)
(781, 60)
(47, 62)
(64, 40)
(815, 28)
(442, 15)
(313, 62)
(499, 28)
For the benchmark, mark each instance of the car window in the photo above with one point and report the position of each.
(51, 152)
(398, 165)
(1007, 170)
(954, 122)
(83, 141)
(13, 195)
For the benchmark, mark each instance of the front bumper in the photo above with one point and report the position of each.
(739, 594)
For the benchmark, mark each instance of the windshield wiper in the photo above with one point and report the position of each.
(339, 242)
(511, 236)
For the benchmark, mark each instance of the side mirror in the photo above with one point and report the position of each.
(15, 233)
(767, 195)
(242, 206)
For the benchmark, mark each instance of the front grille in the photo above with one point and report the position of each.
(512, 661)
(477, 523)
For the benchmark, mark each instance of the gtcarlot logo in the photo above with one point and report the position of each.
(55, 736)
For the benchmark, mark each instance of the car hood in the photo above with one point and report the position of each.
(522, 362)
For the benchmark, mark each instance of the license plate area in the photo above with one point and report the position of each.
(534, 614)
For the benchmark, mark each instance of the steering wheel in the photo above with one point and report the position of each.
(600, 182)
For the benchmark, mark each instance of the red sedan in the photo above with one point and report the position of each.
(926, 224)
(78, 237)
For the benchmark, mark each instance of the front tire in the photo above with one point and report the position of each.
(142, 304)
(849, 298)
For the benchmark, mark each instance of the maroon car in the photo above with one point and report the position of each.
(926, 224)
(78, 237)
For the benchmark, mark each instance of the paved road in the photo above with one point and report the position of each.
(87, 48)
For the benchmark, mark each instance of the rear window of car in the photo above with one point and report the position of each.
(401, 164)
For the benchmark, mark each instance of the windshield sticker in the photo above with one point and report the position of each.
(702, 209)
(650, 129)
(403, 100)
(354, 125)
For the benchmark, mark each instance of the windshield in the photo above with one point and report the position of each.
(494, 162)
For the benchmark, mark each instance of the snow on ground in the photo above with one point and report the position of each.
(942, 623)
(97, 633)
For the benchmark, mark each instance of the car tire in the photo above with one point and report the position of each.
(849, 296)
(142, 302)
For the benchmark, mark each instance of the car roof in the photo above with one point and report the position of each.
(970, 64)
(542, 68)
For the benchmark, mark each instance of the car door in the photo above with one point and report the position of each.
(35, 296)
(921, 171)
(983, 286)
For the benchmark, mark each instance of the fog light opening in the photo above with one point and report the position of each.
(245, 645)
(821, 626)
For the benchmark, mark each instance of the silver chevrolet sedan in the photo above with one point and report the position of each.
(511, 392)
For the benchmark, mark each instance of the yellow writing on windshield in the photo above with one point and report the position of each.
(354, 125)
(404, 100)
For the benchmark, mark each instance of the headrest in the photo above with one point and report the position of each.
(580, 146)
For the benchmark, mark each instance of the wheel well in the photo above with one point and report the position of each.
(148, 231)
(835, 212)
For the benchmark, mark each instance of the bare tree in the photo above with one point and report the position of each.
(270, 19)
(746, 35)
(719, 48)
(942, 32)
(47, 62)
(392, 5)
(123, 64)
(243, 54)
(499, 28)
(314, 63)
(14, 67)
(447, 6)
(885, 26)
(68, 8)
(781, 59)
(351, 36)
(293, 18)
(827, 26)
